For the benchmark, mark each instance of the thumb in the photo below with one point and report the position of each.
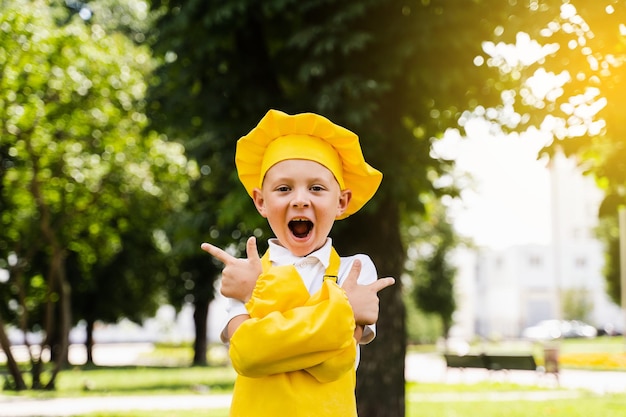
(251, 250)
(382, 283)
(353, 275)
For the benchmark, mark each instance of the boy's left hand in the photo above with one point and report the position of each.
(364, 298)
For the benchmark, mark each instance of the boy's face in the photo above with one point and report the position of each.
(301, 200)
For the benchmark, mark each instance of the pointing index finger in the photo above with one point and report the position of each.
(220, 254)
(382, 283)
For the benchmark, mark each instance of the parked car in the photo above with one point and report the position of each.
(609, 329)
(557, 329)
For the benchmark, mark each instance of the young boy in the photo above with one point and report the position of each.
(298, 314)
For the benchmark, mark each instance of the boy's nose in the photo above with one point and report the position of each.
(300, 199)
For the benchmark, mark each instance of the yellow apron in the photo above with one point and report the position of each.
(296, 354)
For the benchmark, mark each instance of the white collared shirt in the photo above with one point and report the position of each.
(312, 268)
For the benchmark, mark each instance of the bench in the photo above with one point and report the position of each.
(511, 362)
(465, 361)
(492, 362)
(524, 362)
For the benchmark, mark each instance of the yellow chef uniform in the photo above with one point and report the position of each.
(296, 354)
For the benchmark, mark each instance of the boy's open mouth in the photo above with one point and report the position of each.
(300, 227)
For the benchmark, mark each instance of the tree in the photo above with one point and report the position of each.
(577, 304)
(561, 72)
(81, 177)
(394, 72)
(608, 232)
(431, 266)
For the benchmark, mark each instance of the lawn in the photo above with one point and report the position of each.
(606, 406)
(82, 381)
(485, 399)
(581, 407)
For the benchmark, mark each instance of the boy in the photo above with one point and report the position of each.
(298, 314)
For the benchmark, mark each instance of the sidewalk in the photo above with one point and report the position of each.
(432, 368)
(56, 407)
(426, 368)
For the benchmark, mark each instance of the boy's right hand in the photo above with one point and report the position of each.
(239, 275)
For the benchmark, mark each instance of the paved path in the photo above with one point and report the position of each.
(432, 368)
(57, 407)
(419, 368)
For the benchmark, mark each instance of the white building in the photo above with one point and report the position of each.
(507, 290)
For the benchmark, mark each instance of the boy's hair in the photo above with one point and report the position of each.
(309, 136)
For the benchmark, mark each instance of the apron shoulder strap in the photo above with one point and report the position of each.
(266, 264)
(332, 272)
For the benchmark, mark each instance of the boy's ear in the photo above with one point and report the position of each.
(259, 201)
(344, 199)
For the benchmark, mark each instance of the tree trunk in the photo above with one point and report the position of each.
(36, 367)
(64, 329)
(200, 319)
(89, 342)
(380, 377)
(14, 369)
(57, 278)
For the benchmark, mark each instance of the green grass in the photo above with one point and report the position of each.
(599, 344)
(476, 400)
(146, 380)
(171, 413)
(484, 399)
(130, 380)
(582, 407)
(606, 406)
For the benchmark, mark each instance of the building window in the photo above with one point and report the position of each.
(534, 260)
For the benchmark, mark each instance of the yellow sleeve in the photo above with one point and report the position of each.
(280, 289)
(333, 368)
(284, 335)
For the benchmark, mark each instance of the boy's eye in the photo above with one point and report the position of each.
(282, 188)
(317, 188)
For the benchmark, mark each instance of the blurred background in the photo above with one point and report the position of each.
(497, 125)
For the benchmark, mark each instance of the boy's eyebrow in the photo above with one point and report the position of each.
(308, 180)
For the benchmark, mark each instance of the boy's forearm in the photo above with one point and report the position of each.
(234, 324)
(358, 333)
(303, 337)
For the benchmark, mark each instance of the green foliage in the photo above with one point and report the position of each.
(577, 304)
(397, 73)
(421, 328)
(583, 110)
(608, 233)
(430, 266)
(84, 184)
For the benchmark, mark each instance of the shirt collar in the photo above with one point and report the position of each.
(279, 255)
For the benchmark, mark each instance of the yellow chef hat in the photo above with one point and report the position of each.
(280, 136)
